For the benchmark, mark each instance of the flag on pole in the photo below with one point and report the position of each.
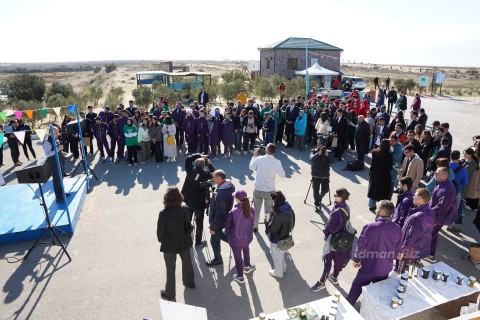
(57, 111)
(20, 136)
(3, 115)
(29, 114)
(71, 108)
(18, 114)
(43, 112)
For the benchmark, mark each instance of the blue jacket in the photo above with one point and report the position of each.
(461, 177)
(220, 205)
(300, 124)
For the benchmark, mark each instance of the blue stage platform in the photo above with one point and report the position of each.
(22, 217)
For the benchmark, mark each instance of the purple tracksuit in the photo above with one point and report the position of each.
(378, 246)
(214, 135)
(178, 118)
(201, 129)
(228, 136)
(239, 230)
(444, 203)
(417, 232)
(336, 223)
(190, 138)
(157, 112)
(100, 133)
(106, 116)
(404, 203)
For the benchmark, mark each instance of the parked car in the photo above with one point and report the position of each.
(358, 83)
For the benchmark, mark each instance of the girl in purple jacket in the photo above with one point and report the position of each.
(239, 229)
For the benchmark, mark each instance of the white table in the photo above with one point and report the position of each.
(421, 294)
(322, 306)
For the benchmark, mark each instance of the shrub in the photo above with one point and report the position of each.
(114, 97)
(110, 67)
(97, 69)
(143, 96)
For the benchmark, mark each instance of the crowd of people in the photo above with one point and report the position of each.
(431, 184)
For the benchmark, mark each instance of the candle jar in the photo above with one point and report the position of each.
(403, 283)
(404, 276)
(400, 297)
(394, 303)
(425, 272)
(436, 274)
(471, 281)
(445, 276)
(400, 289)
(459, 280)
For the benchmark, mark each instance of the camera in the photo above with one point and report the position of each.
(325, 138)
(207, 184)
(260, 148)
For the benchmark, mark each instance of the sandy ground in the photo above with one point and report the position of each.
(117, 271)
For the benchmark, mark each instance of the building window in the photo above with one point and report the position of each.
(292, 64)
(268, 63)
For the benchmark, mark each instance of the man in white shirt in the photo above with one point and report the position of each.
(267, 167)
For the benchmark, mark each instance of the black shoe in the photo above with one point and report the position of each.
(59, 200)
(458, 221)
(164, 296)
(66, 174)
(190, 286)
(200, 244)
(317, 209)
(214, 263)
(255, 229)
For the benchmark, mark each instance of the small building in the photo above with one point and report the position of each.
(287, 56)
(174, 80)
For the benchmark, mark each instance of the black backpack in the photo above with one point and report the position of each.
(342, 241)
(355, 165)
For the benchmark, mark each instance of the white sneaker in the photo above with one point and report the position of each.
(173, 159)
(129, 164)
(135, 164)
(237, 152)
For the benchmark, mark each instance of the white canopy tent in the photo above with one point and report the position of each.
(317, 70)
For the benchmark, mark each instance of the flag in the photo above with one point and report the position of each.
(2, 135)
(40, 133)
(3, 116)
(71, 108)
(29, 114)
(57, 111)
(18, 114)
(43, 112)
(20, 136)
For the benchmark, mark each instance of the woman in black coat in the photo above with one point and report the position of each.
(379, 175)
(174, 233)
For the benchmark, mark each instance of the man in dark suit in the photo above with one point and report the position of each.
(422, 117)
(443, 152)
(412, 122)
(89, 122)
(291, 114)
(339, 128)
(131, 109)
(203, 97)
(381, 131)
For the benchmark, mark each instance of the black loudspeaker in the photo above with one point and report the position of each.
(72, 126)
(35, 171)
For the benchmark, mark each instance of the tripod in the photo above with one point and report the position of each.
(305, 200)
(78, 165)
(50, 228)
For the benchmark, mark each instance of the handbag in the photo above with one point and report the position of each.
(170, 140)
(342, 241)
(286, 244)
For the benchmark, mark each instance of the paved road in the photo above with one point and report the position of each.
(117, 270)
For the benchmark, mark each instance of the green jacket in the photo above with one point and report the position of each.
(130, 135)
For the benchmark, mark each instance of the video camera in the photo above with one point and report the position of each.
(261, 149)
(207, 184)
(325, 138)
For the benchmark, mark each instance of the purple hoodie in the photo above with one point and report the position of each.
(417, 232)
(338, 219)
(404, 203)
(201, 129)
(444, 203)
(378, 246)
(227, 132)
(238, 228)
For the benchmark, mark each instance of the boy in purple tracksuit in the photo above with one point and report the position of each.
(100, 130)
(378, 245)
(417, 231)
(339, 216)
(444, 203)
(121, 135)
(239, 229)
(214, 133)
(189, 128)
(178, 116)
(227, 135)
(404, 200)
(201, 129)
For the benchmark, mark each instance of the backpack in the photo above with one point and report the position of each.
(355, 165)
(342, 241)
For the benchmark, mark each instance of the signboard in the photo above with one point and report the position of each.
(423, 81)
(440, 77)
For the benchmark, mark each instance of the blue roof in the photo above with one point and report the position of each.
(301, 43)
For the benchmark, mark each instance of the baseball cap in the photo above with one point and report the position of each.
(240, 195)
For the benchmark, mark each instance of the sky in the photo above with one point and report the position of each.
(418, 32)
